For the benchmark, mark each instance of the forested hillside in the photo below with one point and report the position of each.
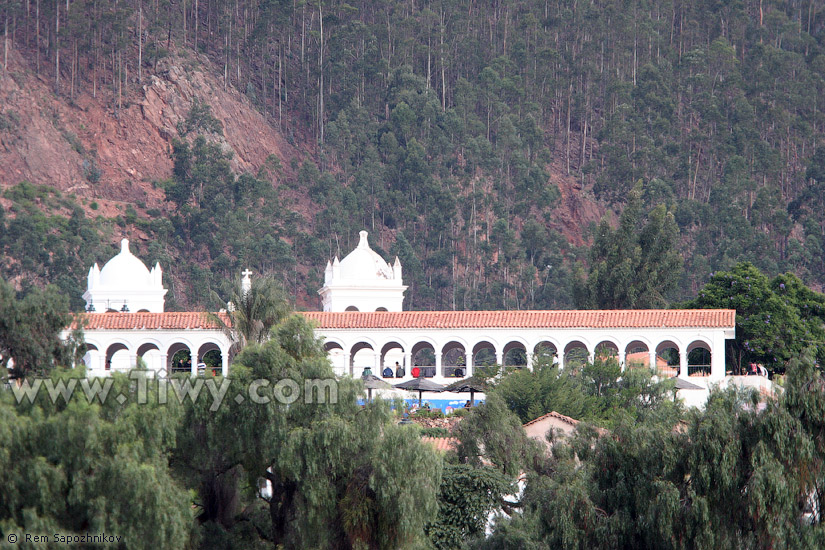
(478, 141)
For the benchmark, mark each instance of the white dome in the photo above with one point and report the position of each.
(125, 271)
(362, 281)
(364, 263)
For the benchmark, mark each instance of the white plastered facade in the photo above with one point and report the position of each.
(362, 281)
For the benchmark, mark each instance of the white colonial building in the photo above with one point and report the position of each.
(364, 327)
(125, 320)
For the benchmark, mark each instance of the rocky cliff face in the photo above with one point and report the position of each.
(110, 152)
(87, 146)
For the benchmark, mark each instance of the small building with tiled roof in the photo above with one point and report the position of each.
(441, 444)
(538, 427)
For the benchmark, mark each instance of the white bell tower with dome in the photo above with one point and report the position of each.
(362, 281)
(125, 284)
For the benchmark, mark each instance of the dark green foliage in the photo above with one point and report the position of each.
(596, 392)
(76, 468)
(30, 327)
(341, 475)
(443, 121)
(635, 266)
(46, 238)
(730, 477)
(253, 314)
(467, 495)
(200, 119)
(775, 319)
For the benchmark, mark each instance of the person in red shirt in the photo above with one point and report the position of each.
(416, 372)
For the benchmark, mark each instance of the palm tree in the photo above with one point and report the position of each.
(254, 308)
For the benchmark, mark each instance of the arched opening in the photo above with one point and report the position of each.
(545, 353)
(92, 357)
(381, 309)
(362, 358)
(117, 357)
(180, 359)
(149, 354)
(576, 355)
(484, 357)
(667, 359)
(423, 360)
(637, 355)
(454, 360)
(698, 359)
(607, 350)
(514, 355)
(209, 359)
(392, 360)
(336, 356)
(351, 308)
(143, 311)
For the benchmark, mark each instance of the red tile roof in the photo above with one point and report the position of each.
(638, 318)
(626, 318)
(187, 320)
(443, 444)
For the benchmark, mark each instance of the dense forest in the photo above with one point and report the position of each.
(446, 129)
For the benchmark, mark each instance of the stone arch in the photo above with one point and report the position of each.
(116, 359)
(351, 308)
(149, 353)
(514, 353)
(92, 357)
(484, 353)
(214, 361)
(607, 348)
(422, 356)
(454, 358)
(360, 359)
(637, 354)
(146, 347)
(546, 349)
(699, 355)
(176, 352)
(333, 344)
(392, 357)
(335, 353)
(576, 354)
(667, 350)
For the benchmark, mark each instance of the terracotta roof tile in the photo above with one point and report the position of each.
(185, 320)
(630, 318)
(443, 444)
(554, 414)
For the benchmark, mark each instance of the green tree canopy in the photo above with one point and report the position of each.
(30, 327)
(338, 474)
(90, 467)
(732, 476)
(636, 265)
(252, 314)
(775, 319)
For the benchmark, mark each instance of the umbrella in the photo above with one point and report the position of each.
(420, 385)
(471, 384)
(372, 382)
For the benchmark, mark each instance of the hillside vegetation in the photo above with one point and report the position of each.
(480, 142)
